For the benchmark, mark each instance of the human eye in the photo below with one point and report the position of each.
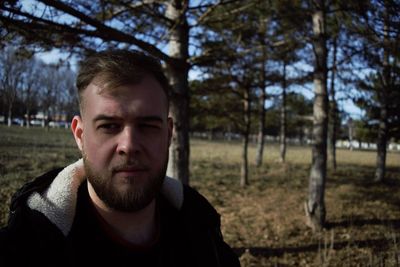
(150, 126)
(108, 127)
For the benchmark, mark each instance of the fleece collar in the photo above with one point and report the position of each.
(58, 201)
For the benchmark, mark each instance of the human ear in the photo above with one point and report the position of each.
(77, 131)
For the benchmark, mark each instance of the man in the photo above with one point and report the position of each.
(115, 206)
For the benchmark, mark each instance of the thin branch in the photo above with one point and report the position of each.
(114, 33)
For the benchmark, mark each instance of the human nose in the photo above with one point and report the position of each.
(128, 142)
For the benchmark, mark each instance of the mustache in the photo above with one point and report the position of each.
(127, 165)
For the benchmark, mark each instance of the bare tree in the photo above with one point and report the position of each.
(69, 95)
(12, 67)
(50, 92)
(31, 86)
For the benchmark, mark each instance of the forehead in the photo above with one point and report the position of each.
(144, 98)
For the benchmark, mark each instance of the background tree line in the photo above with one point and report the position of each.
(252, 58)
(29, 86)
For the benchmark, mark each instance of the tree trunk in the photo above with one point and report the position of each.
(315, 206)
(381, 145)
(383, 113)
(28, 118)
(263, 97)
(333, 111)
(177, 72)
(9, 121)
(283, 117)
(47, 119)
(244, 169)
(244, 172)
(351, 134)
(229, 130)
(28, 101)
(260, 138)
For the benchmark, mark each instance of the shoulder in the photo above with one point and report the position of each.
(203, 224)
(196, 206)
(189, 202)
(38, 184)
(20, 216)
(27, 230)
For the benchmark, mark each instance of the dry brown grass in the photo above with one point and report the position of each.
(264, 222)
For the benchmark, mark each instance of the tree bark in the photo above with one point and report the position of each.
(333, 111)
(315, 206)
(177, 72)
(283, 117)
(244, 172)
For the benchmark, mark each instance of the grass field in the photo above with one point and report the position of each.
(264, 222)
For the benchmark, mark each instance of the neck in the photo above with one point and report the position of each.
(138, 228)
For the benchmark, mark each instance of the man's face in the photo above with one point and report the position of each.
(124, 139)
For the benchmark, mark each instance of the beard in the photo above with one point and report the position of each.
(134, 197)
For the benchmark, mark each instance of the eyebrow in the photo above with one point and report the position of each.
(150, 118)
(103, 117)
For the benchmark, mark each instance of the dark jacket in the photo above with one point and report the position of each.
(50, 224)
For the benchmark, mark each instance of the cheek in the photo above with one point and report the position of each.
(158, 149)
(98, 152)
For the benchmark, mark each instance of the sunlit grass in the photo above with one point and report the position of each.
(231, 152)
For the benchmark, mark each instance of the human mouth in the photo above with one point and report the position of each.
(135, 171)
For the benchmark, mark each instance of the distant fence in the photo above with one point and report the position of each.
(364, 145)
(291, 141)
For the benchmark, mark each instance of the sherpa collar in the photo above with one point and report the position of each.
(58, 201)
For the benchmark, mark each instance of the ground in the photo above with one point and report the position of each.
(263, 222)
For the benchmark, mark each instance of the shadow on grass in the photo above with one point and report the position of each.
(395, 223)
(364, 176)
(278, 252)
(364, 188)
(363, 184)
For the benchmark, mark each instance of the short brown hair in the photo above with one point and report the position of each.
(119, 67)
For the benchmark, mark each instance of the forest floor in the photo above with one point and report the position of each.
(265, 221)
